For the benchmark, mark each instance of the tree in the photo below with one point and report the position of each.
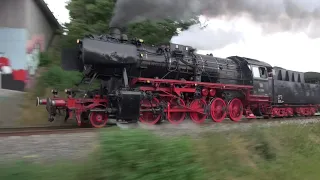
(93, 16)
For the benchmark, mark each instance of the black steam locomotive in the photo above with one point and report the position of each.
(148, 83)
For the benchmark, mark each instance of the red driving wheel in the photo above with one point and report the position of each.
(176, 117)
(218, 110)
(98, 119)
(235, 109)
(149, 117)
(198, 105)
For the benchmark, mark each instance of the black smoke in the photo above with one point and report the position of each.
(272, 15)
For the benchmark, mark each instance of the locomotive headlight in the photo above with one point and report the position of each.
(78, 41)
(54, 92)
(68, 91)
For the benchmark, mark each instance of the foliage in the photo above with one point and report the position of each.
(284, 152)
(136, 154)
(44, 58)
(27, 171)
(59, 79)
(93, 16)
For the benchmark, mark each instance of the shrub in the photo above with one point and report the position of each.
(59, 79)
(45, 59)
(135, 154)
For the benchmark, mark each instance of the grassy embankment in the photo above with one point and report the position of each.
(285, 152)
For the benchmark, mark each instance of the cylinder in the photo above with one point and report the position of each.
(41, 101)
(58, 103)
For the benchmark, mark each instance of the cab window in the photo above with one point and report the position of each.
(259, 72)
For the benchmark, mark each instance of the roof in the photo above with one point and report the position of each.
(48, 14)
(251, 61)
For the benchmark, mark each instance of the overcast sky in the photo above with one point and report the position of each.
(295, 51)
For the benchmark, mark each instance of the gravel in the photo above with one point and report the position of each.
(77, 146)
(47, 148)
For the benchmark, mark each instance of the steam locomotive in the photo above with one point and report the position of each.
(151, 84)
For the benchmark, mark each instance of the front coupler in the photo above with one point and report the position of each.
(77, 107)
(53, 106)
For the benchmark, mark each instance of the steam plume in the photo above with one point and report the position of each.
(272, 15)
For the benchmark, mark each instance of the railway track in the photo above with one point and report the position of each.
(262, 120)
(27, 131)
(248, 121)
(43, 130)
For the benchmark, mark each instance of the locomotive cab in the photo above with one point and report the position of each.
(260, 76)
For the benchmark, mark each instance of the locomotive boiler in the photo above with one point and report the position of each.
(149, 83)
(108, 54)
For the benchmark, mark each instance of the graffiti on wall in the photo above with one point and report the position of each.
(12, 79)
(34, 47)
(18, 65)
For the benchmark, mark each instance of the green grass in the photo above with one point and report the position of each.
(123, 155)
(140, 155)
(27, 171)
(285, 152)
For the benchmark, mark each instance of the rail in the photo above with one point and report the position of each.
(27, 131)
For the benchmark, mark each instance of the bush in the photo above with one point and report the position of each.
(59, 79)
(135, 154)
(45, 59)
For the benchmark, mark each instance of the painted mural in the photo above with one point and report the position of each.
(19, 58)
(34, 47)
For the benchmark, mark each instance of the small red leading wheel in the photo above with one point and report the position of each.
(235, 109)
(218, 110)
(98, 119)
(176, 116)
(198, 105)
(149, 117)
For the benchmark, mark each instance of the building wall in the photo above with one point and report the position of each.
(13, 58)
(21, 44)
(12, 13)
(17, 56)
(37, 24)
